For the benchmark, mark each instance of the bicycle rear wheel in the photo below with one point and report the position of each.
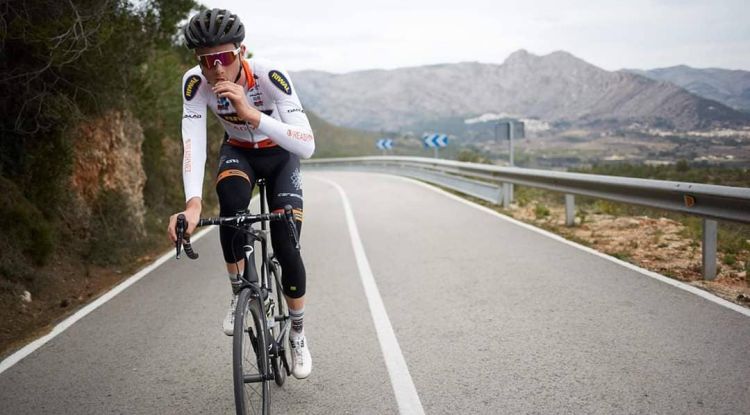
(280, 362)
(250, 358)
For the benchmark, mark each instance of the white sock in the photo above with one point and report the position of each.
(296, 317)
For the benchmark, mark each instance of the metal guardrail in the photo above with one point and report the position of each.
(494, 184)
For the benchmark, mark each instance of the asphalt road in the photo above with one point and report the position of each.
(490, 317)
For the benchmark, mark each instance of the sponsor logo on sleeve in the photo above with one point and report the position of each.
(299, 135)
(278, 79)
(192, 116)
(187, 157)
(295, 110)
(191, 87)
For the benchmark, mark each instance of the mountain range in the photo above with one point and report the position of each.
(730, 87)
(555, 88)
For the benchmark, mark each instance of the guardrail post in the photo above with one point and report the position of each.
(709, 248)
(570, 210)
(506, 195)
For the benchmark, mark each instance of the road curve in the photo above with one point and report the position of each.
(489, 316)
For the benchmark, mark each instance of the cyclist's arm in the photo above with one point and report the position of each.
(293, 132)
(194, 111)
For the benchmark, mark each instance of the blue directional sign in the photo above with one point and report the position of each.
(385, 144)
(435, 140)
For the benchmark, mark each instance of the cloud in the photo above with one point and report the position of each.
(341, 36)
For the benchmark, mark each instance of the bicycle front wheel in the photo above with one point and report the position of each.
(250, 358)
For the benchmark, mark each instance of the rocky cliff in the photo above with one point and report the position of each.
(107, 158)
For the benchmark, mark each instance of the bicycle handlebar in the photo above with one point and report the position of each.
(183, 240)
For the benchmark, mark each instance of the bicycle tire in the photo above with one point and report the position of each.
(249, 357)
(280, 362)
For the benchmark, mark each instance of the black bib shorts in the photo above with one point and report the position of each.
(239, 168)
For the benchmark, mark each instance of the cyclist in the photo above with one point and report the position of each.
(266, 133)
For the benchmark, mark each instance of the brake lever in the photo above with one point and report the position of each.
(180, 231)
(182, 240)
(289, 214)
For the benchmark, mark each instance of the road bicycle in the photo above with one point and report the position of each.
(260, 352)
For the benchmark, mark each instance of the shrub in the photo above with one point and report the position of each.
(730, 259)
(606, 207)
(115, 236)
(624, 256)
(541, 211)
(682, 166)
(25, 228)
(582, 214)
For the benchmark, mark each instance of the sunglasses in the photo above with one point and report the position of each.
(226, 58)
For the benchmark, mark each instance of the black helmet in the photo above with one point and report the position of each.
(213, 27)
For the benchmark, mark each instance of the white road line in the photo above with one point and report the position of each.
(31, 347)
(681, 285)
(403, 386)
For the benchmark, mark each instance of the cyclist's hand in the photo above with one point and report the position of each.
(192, 214)
(236, 94)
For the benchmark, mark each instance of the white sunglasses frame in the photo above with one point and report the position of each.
(235, 52)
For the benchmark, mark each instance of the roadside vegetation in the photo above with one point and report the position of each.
(66, 66)
(734, 238)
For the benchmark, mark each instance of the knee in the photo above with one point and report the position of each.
(234, 193)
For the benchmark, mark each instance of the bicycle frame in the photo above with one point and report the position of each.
(249, 278)
(262, 287)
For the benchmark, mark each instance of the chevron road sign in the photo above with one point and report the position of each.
(435, 140)
(385, 144)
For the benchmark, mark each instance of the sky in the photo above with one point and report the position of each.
(342, 36)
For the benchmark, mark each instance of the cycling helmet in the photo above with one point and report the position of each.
(213, 27)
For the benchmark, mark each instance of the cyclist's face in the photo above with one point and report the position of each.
(213, 69)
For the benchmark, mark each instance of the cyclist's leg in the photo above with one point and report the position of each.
(285, 188)
(234, 186)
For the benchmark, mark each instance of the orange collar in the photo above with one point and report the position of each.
(248, 74)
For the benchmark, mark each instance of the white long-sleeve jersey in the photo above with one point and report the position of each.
(283, 119)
